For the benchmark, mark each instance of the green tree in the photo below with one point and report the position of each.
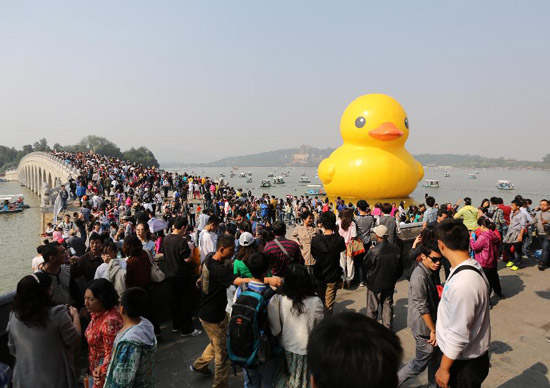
(99, 145)
(41, 146)
(546, 159)
(141, 155)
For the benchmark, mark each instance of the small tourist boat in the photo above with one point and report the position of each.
(12, 203)
(249, 173)
(279, 180)
(431, 183)
(249, 180)
(304, 179)
(222, 175)
(265, 183)
(231, 174)
(447, 174)
(472, 176)
(505, 185)
(242, 175)
(315, 190)
(270, 175)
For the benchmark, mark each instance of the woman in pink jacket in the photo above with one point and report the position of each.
(486, 247)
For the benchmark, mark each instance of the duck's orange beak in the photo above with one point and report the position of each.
(386, 132)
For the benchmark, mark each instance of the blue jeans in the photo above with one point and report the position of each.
(253, 378)
(545, 244)
(426, 356)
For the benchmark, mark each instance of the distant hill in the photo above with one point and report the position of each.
(307, 156)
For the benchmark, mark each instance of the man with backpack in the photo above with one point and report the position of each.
(250, 344)
(215, 278)
(463, 327)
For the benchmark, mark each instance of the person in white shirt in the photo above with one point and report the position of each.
(38, 259)
(208, 237)
(463, 328)
(293, 315)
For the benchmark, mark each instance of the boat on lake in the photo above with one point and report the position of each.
(447, 174)
(265, 183)
(270, 175)
(249, 180)
(279, 180)
(222, 175)
(315, 190)
(304, 179)
(242, 175)
(431, 183)
(249, 173)
(12, 203)
(505, 185)
(472, 176)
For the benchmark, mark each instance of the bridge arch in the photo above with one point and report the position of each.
(38, 167)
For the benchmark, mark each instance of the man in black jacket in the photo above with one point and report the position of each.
(325, 249)
(383, 268)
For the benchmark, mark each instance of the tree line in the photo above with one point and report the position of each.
(10, 157)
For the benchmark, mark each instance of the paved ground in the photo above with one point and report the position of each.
(519, 351)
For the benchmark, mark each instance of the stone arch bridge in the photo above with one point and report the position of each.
(38, 168)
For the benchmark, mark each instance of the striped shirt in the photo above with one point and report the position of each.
(278, 260)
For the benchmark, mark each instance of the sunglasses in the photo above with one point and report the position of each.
(435, 259)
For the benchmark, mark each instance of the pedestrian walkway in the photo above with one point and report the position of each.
(519, 351)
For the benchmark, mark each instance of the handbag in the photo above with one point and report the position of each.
(157, 275)
(355, 248)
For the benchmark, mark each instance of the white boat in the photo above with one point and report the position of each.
(249, 180)
(431, 183)
(265, 183)
(315, 190)
(231, 174)
(222, 175)
(279, 180)
(270, 175)
(472, 176)
(242, 175)
(249, 173)
(304, 179)
(447, 174)
(505, 185)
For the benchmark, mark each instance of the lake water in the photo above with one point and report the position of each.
(20, 232)
(534, 184)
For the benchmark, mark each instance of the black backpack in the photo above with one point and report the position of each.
(250, 343)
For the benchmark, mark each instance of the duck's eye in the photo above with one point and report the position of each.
(407, 123)
(360, 122)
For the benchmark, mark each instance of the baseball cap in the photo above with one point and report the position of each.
(246, 239)
(381, 231)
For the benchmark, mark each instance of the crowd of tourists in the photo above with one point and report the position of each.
(263, 295)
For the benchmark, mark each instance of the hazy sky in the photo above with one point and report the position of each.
(197, 81)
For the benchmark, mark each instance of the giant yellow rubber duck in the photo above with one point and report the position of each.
(373, 161)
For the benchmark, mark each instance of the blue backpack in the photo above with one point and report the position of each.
(250, 343)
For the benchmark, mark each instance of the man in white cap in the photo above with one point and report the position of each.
(383, 268)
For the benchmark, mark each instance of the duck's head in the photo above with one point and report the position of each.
(375, 120)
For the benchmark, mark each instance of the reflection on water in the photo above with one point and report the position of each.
(19, 237)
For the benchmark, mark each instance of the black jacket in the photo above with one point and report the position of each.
(383, 266)
(326, 252)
